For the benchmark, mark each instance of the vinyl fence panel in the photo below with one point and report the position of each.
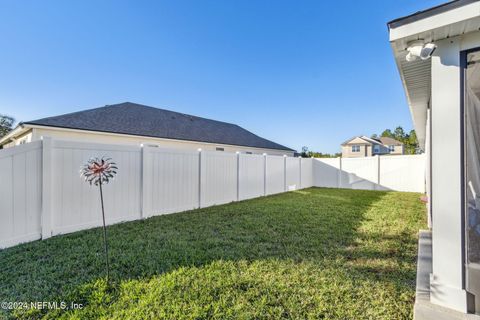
(275, 174)
(76, 204)
(403, 173)
(306, 172)
(20, 194)
(292, 166)
(218, 178)
(326, 172)
(359, 173)
(251, 176)
(398, 173)
(171, 180)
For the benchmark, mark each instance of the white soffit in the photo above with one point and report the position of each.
(416, 75)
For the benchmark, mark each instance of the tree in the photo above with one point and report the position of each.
(314, 154)
(6, 124)
(305, 152)
(399, 134)
(411, 143)
(387, 133)
(409, 140)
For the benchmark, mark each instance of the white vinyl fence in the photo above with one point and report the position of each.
(20, 194)
(399, 173)
(42, 194)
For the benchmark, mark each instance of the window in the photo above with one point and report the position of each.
(219, 149)
(355, 148)
(376, 148)
(391, 148)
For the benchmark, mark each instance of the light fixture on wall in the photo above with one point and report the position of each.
(419, 49)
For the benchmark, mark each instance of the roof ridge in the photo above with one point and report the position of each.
(131, 103)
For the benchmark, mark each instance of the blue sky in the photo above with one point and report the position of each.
(301, 73)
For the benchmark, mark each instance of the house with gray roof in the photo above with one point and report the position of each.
(136, 124)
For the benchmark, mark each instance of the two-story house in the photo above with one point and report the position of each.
(363, 146)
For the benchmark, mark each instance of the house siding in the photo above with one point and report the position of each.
(347, 151)
(367, 149)
(25, 137)
(62, 134)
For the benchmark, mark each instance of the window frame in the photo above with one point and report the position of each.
(463, 170)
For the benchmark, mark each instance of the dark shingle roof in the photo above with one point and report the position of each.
(136, 119)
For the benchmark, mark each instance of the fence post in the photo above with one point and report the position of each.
(47, 184)
(238, 175)
(300, 170)
(200, 164)
(377, 187)
(144, 212)
(264, 174)
(284, 173)
(314, 174)
(339, 176)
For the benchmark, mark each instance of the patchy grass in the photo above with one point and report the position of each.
(318, 253)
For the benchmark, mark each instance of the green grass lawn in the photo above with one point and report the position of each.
(316, 253)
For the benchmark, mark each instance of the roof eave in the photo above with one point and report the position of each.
(19, 129)
(430, 25)
(34, 125)
(468, 10)
(444, 7)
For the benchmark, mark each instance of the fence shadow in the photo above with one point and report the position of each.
(394, 173)
(315, 225)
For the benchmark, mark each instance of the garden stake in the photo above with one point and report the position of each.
(97, 172)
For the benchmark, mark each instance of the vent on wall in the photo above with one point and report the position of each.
(219, 149)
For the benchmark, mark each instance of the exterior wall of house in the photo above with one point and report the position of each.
(21, 139)
(63, 134)
(368, 149)
(381, 150)
(348, 153)
(398, 150)
(447, 281)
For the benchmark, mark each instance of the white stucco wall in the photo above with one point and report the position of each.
(87, 136)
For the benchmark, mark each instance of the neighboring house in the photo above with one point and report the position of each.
(363, 146)
(135, 124)
(437, 52)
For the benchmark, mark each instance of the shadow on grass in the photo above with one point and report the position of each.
(332, 230)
